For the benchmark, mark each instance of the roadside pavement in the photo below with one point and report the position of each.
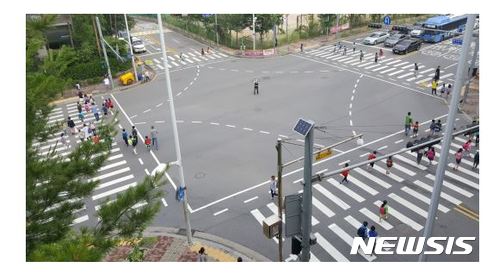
(471, 106)
(170, 245)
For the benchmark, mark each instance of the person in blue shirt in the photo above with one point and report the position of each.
(373, 233)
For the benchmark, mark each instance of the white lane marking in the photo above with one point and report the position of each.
(111, 165)
(373, 178)
(123, 170)
(141, 162)
(382, 148)
(405, 75)
(159, 121)
(160, 67)
(401, 217)
(409, 205)
(331, 197)
(401, 168)
(424, 198)
(446, 75)
(427, 70)
(363, 155)
(451, 186)
(443, 195)
(248, 129)
(391, 175)
(393, 62)
(260, 217)
(264, 132)
(133, 116)
(377, 69)
(113, 191)
(140, 123)
(343, 162)
(160, 104)
(214, 123)
(388, 70)
(346, 190)
(361, 185)
(399, 141)
(333, 252)
(148, 110)
(275, 210)
(196, 122)
(396, 72)
(180, 121)
(450, 65)
(164, 202)
(461, 179)
(297, 181)
(410, 162)
(400, 64)
(251, 199)
(220, 212)
(147, 172)
(322, 171)
(110, 183)
(375, 218)
(349, 240)
(229, 125)
(114, 157)
(323, 208)
(465, 171)
(80, 220)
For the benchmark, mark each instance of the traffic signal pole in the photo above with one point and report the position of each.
(306, 224)
(110, 77)
(279, 192)
(444, 152)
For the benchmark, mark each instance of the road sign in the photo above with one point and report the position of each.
(457, 41)
(180, 194)
(387, 20)
(324, 154)
(292, 209)
(303, 127)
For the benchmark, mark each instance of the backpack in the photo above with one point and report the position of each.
(361, 232)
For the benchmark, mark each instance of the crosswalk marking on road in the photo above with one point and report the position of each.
(443, 195)
(461, 179)
(361, 185)
(80, 220)
(377, 69)
(465, 171)
(106, 167)
(451, 186)
(410, 162)
(349, 240)
(388, 70)
(373, 178)
(346, 190)
(275, 210)
(401, 217)
(424, 198)
(113, 191)
(375, 218)
(400, 64)
(110, 174)
(409, 205)
(401, 168)
(330, 249)
(331, 197)
(396, 72)
(391, 175)
(405, 75)
(393, 62)
(115, 181)
(260, 217)
(323, 208)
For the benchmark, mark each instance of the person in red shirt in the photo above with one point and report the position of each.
(147, 141)
(345, 174)
(389, 164)
(96, 139)
(370, 157)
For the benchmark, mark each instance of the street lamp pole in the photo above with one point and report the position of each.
(175, 131)
(444, 151)
(105, 53)
(279, 192)
(287, 35)
(216, 28)
(254, 34)
(307, 196)
(131, 49)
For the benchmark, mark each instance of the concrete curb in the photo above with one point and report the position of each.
(216, 241)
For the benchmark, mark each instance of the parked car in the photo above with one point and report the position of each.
(137, 45)
(376, 38)
(394, 39)
(416, 33)
(406, 46)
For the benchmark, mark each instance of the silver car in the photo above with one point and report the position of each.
(394, 39)
(376, 38)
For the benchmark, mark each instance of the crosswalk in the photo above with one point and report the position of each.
(391, 67)
(115, 176)
(190, 57)
(339, 208)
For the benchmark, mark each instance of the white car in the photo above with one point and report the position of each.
(416, 33)
(376, 38)
(137, 45)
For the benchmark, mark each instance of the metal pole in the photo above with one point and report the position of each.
(279, 192)
(472, 66)
(105, 53)
(337, 24)
(131, 49)
(216, 28)
(254, 34)
(175, 131)
(287, 35)
(307, 197)
(444, 152)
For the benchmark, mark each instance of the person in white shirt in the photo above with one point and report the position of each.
(273, 186)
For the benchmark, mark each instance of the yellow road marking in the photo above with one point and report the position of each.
(467, 212)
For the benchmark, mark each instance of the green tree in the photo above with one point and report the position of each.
(326, 21)
(265, 22)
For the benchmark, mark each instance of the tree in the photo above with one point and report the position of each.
(326, 21)
(266, 22)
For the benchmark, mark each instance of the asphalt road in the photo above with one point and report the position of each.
(228, 138)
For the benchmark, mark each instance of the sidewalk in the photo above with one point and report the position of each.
(471, 107)
(170, 245)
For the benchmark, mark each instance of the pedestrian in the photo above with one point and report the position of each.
(361, 55)
(81, 135)
(239, 259)
(438, 127)
(104, 109)
(407, 123)
(96, 139)
(154, 137)
(345, 174)
(202, 257)
(124, 136)
(442, 90)
(345, 50)
(273, 187)
(383, 210)
(111, 106)
(87, 107)
(71, 126)
(135, 141)
(419, 156)
(373, 234)
(370, 157)
(301, 47)
(415, 129)
(255, 87)
(380, 53)
(432, 127)
(458, 156)
(477, 140)
(181, 56)
(202, 51)
(95, 111)
(437, 73)
(77, 86)
(447, 91)
(334, 50)
(430, 154)
(147, 142)
(434, 87)
(147, 76)
(134, 131)
(107, 83)
(389, 164)
(88, 132)
(64, 141)
(376, 57)
(92, 128)
(130, 140)
(78, 106)
(416, 69)
(80, 95)
(467, 147)
(475, 160)
(354, 46)
(362, 230)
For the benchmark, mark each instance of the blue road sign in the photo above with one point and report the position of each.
(180, 194)
(457, 41)
(303, 127)
(387, 20)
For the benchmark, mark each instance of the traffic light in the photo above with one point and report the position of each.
(375, 25)
(295, 246)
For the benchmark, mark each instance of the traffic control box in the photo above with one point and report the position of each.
(271, 226)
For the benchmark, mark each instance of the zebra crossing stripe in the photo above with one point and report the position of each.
(400, 64)
(393, 62)
(465, 171)
(424, 80)
(332, 197)
(401, 217)
(115, 181)
(172, 62)
(391, 175)
(451, 186)
(443, 195)
(409, 205)
(424, 199)
(365, 64)
(260, 217)
(346, 190)
(384, 60)
(314, 220)
(402, 169)
(377, 69)
(196, 59)
(388, 70)
(222, 54)
(107, 175)
(375, 218)
(405, 75)
(322, 208)
(427, 70)
(358, 62)
(410, 162)
(461, 179)
(80, 220)
(460, 139)
(408, 66)
(333, 252)
(188, 60)
(372, 66)
(349, 240)
(362, 185)
(215, 55)
(373, 178)
(160, 67)
(106, 167)
(414, 78)
(313, 258)
(446, 76)
(156, 60)
(396, 72)
(113, 191)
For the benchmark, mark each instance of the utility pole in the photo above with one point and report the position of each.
(105, 53)
(472, 67)
(307, 196)
(131, 49)
(287, 35)
(279, 192)
(216, 28)
(254, 34)
(96, 36)
(175, 131)
(444, 152)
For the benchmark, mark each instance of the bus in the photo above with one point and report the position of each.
(439, 28)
